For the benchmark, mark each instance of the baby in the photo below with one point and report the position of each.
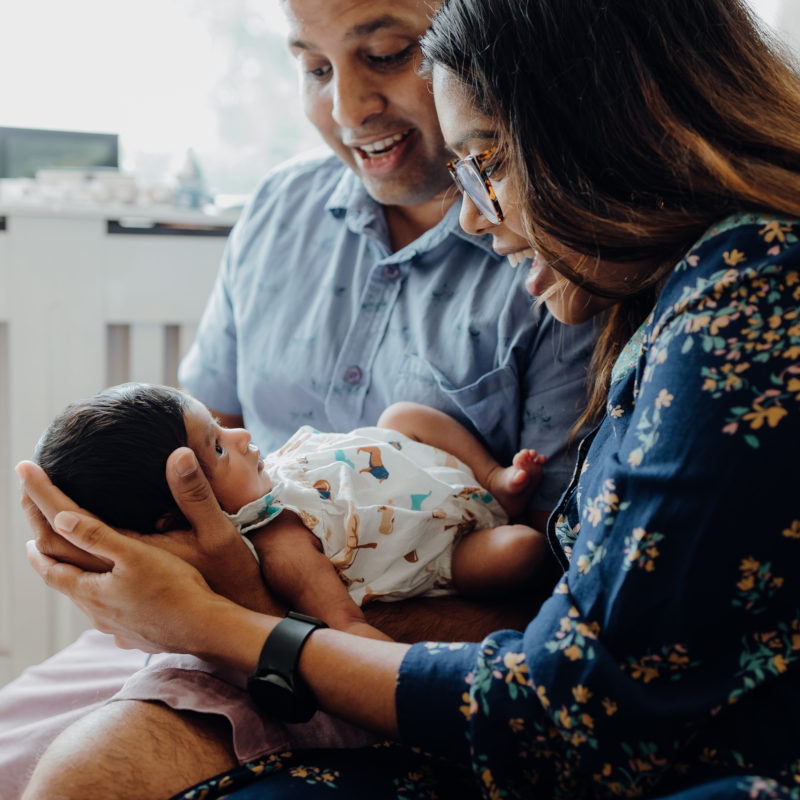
(413, 506)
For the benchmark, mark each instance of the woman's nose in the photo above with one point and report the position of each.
(471, 219)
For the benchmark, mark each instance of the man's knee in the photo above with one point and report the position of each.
(132, 749)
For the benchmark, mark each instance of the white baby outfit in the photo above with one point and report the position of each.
(386, 508)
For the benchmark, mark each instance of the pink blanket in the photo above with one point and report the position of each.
(47, 698)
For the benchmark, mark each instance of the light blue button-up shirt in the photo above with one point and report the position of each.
(314, 320)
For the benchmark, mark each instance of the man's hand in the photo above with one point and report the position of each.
(41, 501)
(213, 545)
(148, 599)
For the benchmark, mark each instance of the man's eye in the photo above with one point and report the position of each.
(319, 72)
(394, 59)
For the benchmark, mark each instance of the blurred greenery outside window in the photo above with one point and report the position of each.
(215, 76)
(166, 75)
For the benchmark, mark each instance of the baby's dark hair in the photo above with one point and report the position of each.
(109, 454)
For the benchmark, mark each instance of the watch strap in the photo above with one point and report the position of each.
(275, 685)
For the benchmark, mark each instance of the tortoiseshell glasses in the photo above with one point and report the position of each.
(471, 178)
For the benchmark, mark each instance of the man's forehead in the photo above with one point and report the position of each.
(354, 19)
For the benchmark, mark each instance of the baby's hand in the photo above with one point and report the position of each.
(512, 486)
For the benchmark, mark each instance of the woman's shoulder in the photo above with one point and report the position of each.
(737, 256)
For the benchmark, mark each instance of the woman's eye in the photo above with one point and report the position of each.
(493, 167)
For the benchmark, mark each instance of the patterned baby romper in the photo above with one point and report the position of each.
(386, 508)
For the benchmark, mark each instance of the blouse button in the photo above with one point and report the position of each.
(353, 375)
(391, 272)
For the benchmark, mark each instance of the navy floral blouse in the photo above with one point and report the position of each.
(669, 654)
(667, 661)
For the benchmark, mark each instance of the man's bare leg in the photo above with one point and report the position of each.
(132, 749)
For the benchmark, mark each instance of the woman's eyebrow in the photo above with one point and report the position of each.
(471, 136)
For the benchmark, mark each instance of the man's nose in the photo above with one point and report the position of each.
(356, 97)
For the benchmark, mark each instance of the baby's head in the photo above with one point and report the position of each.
(109, 454)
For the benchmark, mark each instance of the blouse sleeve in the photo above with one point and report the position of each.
(675, 632)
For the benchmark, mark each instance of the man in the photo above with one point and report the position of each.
(347, 285)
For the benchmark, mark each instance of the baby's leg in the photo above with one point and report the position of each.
(498, 561)
(512, 486)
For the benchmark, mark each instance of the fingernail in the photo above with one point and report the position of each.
(65, 521)
(186, 464)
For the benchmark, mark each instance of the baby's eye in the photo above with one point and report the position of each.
(219, 449)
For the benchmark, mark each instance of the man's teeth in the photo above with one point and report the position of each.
(382, 145)
(515, 259)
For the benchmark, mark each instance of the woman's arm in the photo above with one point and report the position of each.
(152, 600)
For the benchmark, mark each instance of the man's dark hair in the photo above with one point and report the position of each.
(109, 454)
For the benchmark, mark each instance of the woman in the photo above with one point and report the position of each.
(649, 151)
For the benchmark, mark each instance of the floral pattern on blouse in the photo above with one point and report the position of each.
(667, 660)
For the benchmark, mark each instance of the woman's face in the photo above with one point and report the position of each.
(468, 132)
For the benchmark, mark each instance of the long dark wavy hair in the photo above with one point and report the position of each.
(628, 127)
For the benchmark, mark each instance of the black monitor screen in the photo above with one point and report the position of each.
(24, 151)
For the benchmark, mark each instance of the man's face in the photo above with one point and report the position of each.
(358, 63)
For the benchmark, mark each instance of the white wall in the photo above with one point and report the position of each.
(80, 309)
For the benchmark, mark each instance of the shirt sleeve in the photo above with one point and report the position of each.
(208, 370)
(675, 632)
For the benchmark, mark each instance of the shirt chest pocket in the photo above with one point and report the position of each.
(489, 404)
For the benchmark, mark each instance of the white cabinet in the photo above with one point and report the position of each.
(81, 307)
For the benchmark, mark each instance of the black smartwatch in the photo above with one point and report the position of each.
(275, 686)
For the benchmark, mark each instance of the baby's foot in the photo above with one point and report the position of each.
(512, 486)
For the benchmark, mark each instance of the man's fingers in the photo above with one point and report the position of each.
(93, 536)
(190, 489)
(37, 489)
(55, 574)
(37, 486)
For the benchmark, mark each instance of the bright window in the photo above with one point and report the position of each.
(167, 75)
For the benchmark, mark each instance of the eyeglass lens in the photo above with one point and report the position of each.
(474, 185)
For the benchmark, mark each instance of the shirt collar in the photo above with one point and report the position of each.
(351, 200)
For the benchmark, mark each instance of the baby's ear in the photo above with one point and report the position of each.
(171, 521)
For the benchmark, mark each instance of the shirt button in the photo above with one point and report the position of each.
(352, 375)
(391, 272)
